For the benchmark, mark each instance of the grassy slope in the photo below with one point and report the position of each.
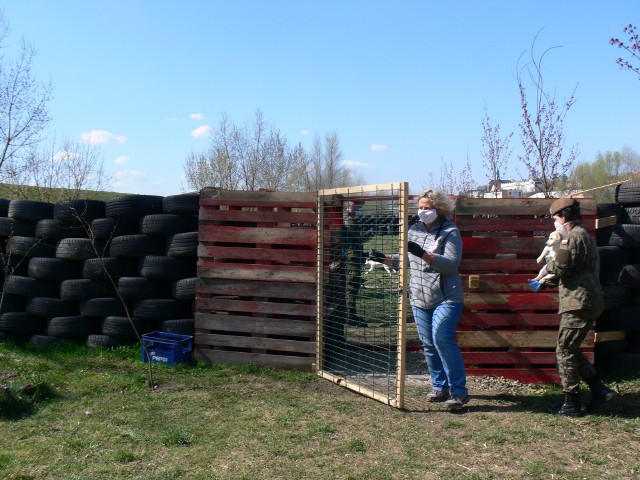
(89, 414)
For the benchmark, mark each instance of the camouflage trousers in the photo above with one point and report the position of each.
(573, 365)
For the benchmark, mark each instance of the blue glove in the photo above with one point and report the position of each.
(534, 285)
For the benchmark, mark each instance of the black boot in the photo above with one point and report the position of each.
(570, 407)
(600, 393)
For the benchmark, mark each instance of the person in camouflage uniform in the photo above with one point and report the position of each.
(354, 259)
(576, 267)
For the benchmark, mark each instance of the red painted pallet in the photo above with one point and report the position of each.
(256, 289)
(506, 329)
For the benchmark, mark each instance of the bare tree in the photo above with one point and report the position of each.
(542, 126)
(257, 156)
(450, 181)
(56, 171)
(23, 102)
(632, 48)
(496, 152)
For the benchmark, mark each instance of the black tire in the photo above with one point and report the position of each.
(186, 203)
(184, 289)
(83, 289)
(606, 349)
(29, 247)
(128, 246)
(611, 254)
(78, 248)
(168, 224)
(14, 226)
(53, 269)
(102, 341)
(12, 303)
(182, 245)
(30, 210)
(105, 228)
(21, 323)
(625, 235)
(30, 287)
(626, 319)
(616, 296)
(4, 207)
(44, 341)
(52, 229)
(633, 342)
(139, 288)
(123, 327)
(630, 276)
(634, 254)
(167, 268)
(626, 361)
(102, 307)
(73, 327)
(630, 214)
(103, 268)
(610, 274)
(13, 265)
(51, 307)
(183, 326)
(160, 309)
(133, 206)
(79, 211)
(628, 193)
(604, 210)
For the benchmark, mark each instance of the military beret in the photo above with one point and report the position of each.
(561, 203)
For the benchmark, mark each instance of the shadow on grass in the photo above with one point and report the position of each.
(16, 405)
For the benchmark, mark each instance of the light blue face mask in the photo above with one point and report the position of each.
(428, 215)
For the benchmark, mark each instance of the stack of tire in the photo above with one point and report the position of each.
(90, 271)
(619, 248)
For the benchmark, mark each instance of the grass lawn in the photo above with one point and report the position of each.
(74, 413)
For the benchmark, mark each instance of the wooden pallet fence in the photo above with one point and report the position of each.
(256, 289)
(506, 329)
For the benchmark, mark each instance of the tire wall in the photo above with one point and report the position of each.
(58, 283)
(618, 239)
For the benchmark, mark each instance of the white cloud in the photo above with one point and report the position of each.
(202, 131)
(304, 133)
(196, 116)
(378, 147)
(64, 155)
(102, 137)
(129, 175)
(355, 164)
(121, 160)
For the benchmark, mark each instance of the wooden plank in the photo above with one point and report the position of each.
(491, 245)
(281, 235)
(220, 196)
(495, 265)
(246, 288)
(517, 319)
(260, 325)
(282, 217)
(606, 221)
(276, 273)
(609, 336)
(500, 282)
(253, 306)
(496, 358)
(265, 343)
(511, 301)
(516, 206)
(516, 339)
(288, 255)
(260, 359)
(507, 224)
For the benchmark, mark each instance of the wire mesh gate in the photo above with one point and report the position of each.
(362, 303)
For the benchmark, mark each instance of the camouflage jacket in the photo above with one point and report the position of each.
(577, 267)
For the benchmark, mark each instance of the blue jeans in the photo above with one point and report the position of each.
(437, 332)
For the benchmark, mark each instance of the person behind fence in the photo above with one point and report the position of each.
(354, 258)
(576, 269)
(436, 295)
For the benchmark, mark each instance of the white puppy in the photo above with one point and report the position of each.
(373, 265)
(551, 247)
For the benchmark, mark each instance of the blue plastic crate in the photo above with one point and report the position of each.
(167, 348)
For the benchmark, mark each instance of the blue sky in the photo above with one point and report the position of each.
(404, 84)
